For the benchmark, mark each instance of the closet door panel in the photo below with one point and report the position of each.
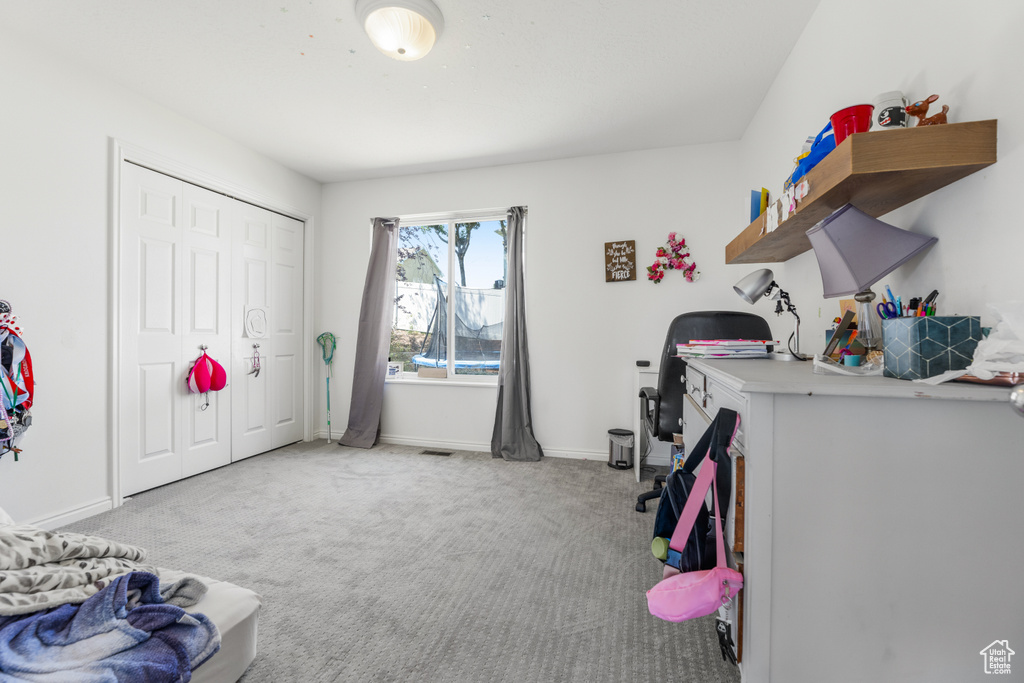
(251, 429)
(286, 321)
(157, 419)
(150, 433)
(206, 238)
(192, 264)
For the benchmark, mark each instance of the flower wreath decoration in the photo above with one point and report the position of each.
(673, 256)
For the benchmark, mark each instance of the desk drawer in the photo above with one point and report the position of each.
(708, 396)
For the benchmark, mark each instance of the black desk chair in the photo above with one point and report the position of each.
(661, 409)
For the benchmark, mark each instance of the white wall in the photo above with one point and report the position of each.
(56, 123)
(970, 57)
(581, 372)
(848, 55)
(584, 334)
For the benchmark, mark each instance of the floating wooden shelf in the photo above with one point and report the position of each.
(876, 172)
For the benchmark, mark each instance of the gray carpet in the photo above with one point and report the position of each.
(389, 565)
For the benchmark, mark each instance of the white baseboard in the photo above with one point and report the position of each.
(335, 435)
(483, 447)
(576, 455)
(70, 515)
(435, 443)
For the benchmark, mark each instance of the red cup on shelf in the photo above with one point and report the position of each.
(855, 119)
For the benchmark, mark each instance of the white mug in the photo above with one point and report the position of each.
(890, 111)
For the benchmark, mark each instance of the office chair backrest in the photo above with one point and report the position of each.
(696, 325)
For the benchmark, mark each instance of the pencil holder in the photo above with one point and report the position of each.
(916, 348)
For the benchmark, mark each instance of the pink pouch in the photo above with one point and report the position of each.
(218, 377)
(206, 375)
(198, 379)
(682, 596)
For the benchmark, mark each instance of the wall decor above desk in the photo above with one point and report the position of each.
(620, 261)
(877, 172)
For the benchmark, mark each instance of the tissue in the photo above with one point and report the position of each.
(1003, 349)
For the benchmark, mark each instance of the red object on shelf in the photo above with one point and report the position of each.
(855, 119)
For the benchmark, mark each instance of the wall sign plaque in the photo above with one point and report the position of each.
(620, 261)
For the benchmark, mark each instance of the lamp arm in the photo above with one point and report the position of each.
(784, 297)
(794, 339)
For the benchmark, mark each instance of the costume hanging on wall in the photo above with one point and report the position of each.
(17, 388)
(205, 376)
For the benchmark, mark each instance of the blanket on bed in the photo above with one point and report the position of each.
(40, 569)
(124, 633)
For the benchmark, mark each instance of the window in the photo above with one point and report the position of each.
(450, 293)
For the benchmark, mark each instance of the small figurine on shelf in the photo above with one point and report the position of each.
(920, 110)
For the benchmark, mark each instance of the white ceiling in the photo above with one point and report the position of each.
(508, 81)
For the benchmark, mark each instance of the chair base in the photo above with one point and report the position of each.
(641, 500)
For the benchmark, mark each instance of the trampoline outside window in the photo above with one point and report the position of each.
(450, 294)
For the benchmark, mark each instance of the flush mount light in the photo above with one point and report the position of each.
(401, 29)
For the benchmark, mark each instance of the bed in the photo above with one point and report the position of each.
(236, 612)
(114, 614)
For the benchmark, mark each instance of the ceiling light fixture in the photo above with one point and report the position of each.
(401, 29)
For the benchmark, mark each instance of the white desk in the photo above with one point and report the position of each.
(882, 535)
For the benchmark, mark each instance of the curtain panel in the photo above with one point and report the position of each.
(513, 437)
(374, 337)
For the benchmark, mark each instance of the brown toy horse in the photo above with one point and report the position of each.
(920, 110)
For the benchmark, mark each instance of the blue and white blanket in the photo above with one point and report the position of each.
(123, 633)
(40, 569)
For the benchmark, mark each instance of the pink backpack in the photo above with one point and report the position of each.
(682, 596)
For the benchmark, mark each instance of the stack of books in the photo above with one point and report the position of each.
(725, 348)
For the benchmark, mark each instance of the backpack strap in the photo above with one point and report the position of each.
(705, 479)
(719, 540)
(688, 517)
(715, 443)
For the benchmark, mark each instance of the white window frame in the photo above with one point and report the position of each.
(450, 218)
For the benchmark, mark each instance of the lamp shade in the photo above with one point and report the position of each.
(402, 29)
(752, 287)
(855, 251)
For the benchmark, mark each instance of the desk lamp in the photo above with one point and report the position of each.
(762, 283)
(855, 251)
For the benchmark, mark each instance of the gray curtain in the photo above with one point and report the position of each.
(513, 437)
(374, 337)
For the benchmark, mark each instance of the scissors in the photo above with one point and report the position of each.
(887, 310)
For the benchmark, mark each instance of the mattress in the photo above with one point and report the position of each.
(235, 611)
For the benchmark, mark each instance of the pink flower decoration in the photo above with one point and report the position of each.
(672, 257)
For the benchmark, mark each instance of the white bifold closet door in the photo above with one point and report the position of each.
(182, 255)
(267, 407)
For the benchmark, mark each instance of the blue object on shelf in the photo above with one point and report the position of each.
(824, 143)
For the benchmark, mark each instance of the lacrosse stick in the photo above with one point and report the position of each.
(327, 344)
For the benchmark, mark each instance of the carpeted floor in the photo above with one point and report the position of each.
(390, 565)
